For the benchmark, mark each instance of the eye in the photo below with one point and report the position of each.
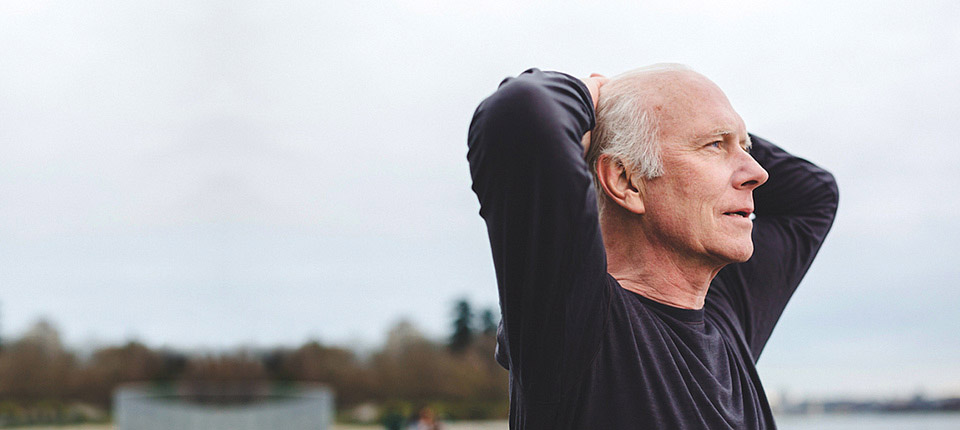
(715, 144)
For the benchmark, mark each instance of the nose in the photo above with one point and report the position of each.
(750, 175)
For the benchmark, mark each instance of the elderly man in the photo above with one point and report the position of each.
(658, 323)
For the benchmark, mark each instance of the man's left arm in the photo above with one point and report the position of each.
(794, 211)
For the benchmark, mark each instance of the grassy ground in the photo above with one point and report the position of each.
(484, 425)
(76, 427)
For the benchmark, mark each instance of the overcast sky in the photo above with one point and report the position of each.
(221, 173)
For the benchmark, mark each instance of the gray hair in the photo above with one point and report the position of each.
(627, 130)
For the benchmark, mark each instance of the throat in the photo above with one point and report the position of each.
(678, 293)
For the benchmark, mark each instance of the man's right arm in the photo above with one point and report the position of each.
(536, 196)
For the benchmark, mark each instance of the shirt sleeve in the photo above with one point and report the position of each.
(794, 211)
(537, 199)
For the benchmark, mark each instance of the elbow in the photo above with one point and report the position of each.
(516, 102)
(830, 194)
(518, 93)
(521, 112)
(831, 184)
(508, 125)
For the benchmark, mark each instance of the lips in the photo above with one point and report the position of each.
(745, 212)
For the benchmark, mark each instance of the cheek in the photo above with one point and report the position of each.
(703, 202)
(674, 223)
(690, 208)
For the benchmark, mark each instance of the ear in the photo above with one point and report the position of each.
(618, 184)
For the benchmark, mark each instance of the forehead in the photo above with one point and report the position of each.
(689, 106)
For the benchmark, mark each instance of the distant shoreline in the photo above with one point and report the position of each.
(787, 421)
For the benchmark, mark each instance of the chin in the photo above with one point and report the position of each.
(739, 252)
(743, 258)
(745, 253)
(731, 249)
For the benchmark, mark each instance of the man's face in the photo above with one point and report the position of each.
(700, 206)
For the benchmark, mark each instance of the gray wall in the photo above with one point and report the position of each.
(137, 408)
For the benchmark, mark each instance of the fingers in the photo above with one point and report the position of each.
(593, 83)
(600, 79)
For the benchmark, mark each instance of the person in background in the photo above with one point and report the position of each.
(425, 420)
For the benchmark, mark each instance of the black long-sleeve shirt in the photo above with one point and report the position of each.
(584, 353)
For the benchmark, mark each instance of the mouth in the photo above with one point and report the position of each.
(744, 213)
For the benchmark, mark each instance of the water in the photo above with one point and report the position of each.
(904, 421)
(928, 421)
(932, 421)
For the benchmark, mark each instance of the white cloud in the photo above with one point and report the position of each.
(166, 166)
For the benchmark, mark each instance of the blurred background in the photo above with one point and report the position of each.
(279, 191)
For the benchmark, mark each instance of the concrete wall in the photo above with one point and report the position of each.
(140, 408)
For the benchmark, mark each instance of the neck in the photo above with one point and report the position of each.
(643, 266)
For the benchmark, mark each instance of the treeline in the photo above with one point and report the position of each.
(42, 381)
